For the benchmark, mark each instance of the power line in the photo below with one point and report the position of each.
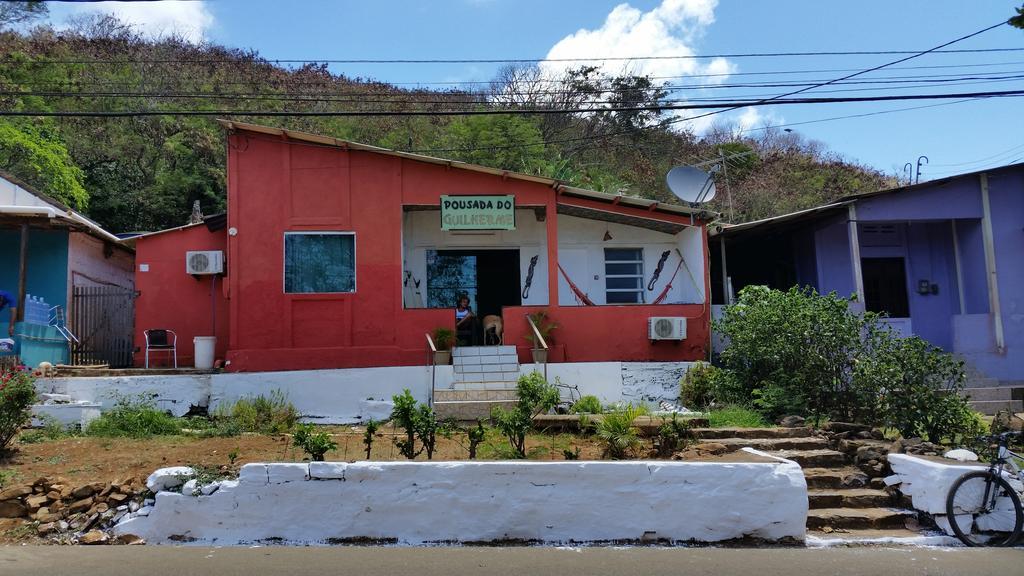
(727, 106)
(517, 60)
(1007, 152)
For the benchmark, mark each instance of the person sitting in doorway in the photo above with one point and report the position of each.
(7, 301)
(465, 322)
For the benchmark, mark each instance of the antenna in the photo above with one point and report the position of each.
(691, 184)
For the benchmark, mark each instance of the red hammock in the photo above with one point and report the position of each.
(580, 295)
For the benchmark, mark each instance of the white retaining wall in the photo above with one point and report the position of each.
(927, 482)
(358, 394)
(447, 502)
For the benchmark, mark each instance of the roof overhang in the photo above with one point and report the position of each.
(616, 202)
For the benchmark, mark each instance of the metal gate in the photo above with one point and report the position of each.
(103, 319)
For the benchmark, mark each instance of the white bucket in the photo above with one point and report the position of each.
(205, 346)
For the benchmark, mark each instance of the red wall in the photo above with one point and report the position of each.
(169, 298)
(275, 186)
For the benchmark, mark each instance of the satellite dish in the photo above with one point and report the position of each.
(691, 184)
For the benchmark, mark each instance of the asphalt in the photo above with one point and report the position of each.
(524, 561)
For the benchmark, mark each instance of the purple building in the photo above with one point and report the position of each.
(944, 259)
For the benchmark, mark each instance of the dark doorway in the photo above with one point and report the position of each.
(489, 277)
(885, 286)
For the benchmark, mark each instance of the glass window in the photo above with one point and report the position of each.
(449, 275)
(624, 275)
(319, 262)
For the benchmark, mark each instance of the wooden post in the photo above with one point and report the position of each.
(990, 265)
(858, 278)
(22, 273)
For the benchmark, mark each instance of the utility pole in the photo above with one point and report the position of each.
(725, 172)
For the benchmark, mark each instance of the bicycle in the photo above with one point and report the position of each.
(983, 507)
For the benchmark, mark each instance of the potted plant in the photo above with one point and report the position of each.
(443, 339)
(545, 326)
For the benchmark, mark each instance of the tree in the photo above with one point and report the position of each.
(13, 13)
(34, 152)
(1018, 20)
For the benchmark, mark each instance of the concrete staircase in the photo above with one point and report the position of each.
(988, 396)
(484, 377)
(841, 498)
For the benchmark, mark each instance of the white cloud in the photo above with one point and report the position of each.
(670, 29)
(190, 19)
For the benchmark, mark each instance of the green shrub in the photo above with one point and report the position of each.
(736, 417)
(371, 429)
(51, 430)
(920, 387)
(404, 416)
(587, 405)
(261, 414)
(536, 396)
(794, 352)
(316, 444)
(617, 431)
(705, 385)
(134, 417)
(443, 338)
(475, 436)
(673, 435)
(17, 393)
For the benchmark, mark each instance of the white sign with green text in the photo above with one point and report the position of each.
(478, 213)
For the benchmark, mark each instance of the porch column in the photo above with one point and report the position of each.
(726, 295)
(858, 277)
(551, 226)
(22, 273)
(990, 265)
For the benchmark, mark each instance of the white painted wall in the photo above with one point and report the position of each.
(88, 266)
(581, 247)
(421, 231)
(355, 394)
(424, 502)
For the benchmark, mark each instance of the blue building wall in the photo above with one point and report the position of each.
(47, 278)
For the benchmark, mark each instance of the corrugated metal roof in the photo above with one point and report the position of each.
(618, 199)
(63, 212)
(730, 229)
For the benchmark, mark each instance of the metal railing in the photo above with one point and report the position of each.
(541, 341)
(431, 352)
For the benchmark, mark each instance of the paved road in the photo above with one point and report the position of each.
(182, 561)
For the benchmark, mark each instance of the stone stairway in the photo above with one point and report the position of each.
(988, 396)
(841, 498)
(484, 376)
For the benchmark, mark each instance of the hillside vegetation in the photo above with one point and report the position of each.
(144, 172)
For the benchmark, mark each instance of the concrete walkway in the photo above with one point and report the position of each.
(181, 561)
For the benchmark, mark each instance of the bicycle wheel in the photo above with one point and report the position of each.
(984, 510)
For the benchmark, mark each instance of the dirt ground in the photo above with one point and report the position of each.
(83, 460)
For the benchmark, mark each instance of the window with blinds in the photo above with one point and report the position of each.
(624, 275)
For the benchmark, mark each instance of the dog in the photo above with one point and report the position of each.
(494, 330)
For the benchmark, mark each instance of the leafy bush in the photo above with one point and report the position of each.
(316, 444)
(371, 429)
(544, 325)
(134, 417)
(920, 388)
(418, 421)
(475, 436)
(706, 385)
(536, 396)
(51, 429)
(17, 393)
(617, 431)
(736, 417)
(587, 405)
(793, 352)
(262, 414)
(672, 435)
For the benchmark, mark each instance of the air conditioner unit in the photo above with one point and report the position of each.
(204, 262)
(666, 328)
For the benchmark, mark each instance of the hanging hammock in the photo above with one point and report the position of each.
(581, 297)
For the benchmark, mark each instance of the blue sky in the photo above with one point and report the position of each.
(956, 137)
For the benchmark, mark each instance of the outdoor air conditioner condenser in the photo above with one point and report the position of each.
(666, 328)
(204, 262)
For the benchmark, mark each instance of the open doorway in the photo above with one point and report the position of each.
(490, 278)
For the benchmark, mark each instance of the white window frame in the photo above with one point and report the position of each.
(640, 276)
(284, 259)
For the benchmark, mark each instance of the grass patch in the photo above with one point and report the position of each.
(134, 417)
(273, 414)
(736, 417)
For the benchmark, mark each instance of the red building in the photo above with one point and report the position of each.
(341, 255)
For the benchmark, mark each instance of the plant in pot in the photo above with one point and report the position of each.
(443, 339)
(545, 326)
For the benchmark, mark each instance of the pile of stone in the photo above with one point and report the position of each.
(59, 510)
